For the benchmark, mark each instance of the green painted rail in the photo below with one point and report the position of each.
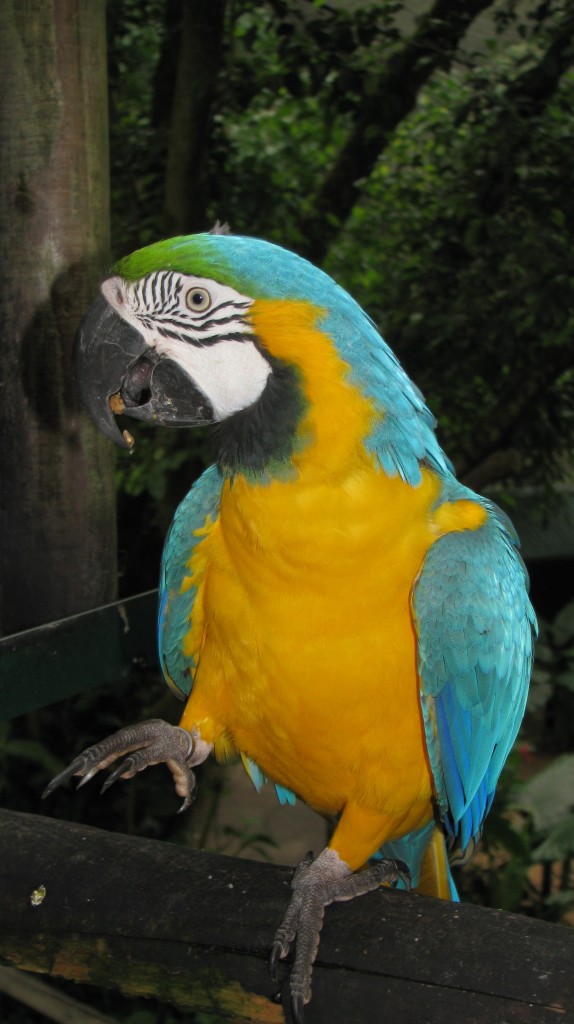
(60, 659)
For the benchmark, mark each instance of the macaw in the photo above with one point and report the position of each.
(336, 608)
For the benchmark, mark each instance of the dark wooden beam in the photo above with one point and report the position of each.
(194, 929)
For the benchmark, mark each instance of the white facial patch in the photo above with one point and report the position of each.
(231, 374)
(200, 325)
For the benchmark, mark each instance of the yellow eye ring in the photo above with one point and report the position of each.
(198, 300)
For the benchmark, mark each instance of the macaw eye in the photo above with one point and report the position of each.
(198, 300)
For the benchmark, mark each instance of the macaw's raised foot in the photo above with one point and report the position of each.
(147, 743)
(316, 884)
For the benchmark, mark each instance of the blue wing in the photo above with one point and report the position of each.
(175, 606)
(476, 630)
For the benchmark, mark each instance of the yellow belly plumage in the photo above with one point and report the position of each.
(302, 627)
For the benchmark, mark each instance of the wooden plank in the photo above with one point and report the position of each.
(195, 929)
(41, 666)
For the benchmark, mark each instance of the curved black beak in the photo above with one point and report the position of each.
(105, 346)
(116, 372)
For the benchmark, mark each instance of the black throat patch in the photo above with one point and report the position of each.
(260, 440)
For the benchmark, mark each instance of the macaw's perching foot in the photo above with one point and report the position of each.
(316, 884)
(144, 744)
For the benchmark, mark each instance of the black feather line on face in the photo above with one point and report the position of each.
(263, 437)
(183, 334)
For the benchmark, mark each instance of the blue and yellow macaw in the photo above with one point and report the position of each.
(336, 608)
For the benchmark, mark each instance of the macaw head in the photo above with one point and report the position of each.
(223, 329)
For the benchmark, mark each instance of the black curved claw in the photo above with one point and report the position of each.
(145, 744)
(79, 766)
(278, 952)
(273, 964)
(298, 1008)
(153, 754)
(126, 767)
(402, 872)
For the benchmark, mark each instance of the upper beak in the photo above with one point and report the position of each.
(117, 372)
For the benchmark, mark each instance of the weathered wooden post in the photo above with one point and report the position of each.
(57, 517)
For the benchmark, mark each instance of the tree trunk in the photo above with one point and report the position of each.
(57, 513)
(198, 65)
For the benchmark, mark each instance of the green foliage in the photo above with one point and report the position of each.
(461, 250)
(26, 750)
(551, 701)
(548, 798)
(156, 459)
(151, 470)
(294, 77)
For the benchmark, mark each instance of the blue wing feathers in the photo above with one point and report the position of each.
(447, 767)
(475, 630)
(285, 796)
(175, 607)
(254, 772)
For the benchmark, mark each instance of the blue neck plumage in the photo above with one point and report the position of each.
(403, 438)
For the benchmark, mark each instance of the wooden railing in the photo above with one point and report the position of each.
(194, 929)
(43, 665)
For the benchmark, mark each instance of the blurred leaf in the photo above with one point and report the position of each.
(541, 689)
(559, 842)
(508, 884)
(549, 796)
(564, 624)
(561, 900)
(566, 679)
(30, 750)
